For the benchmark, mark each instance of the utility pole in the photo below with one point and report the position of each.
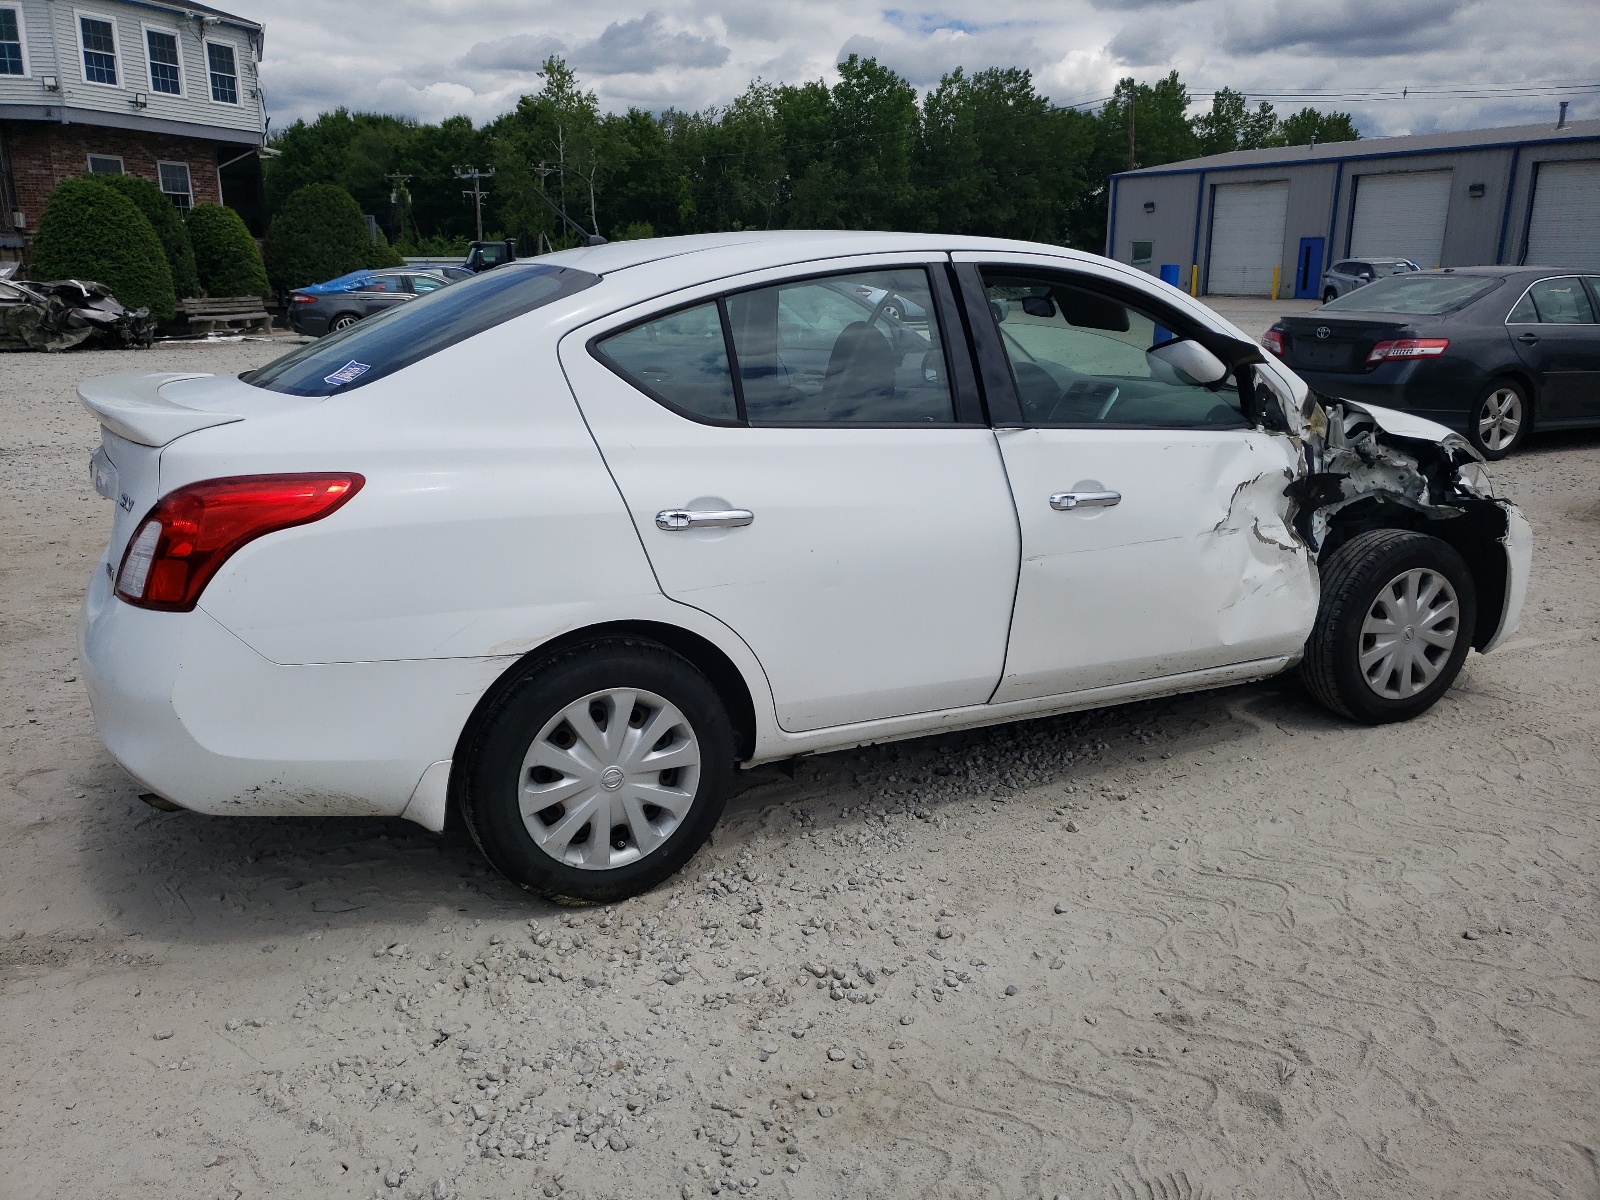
(1133, 94)
(477, 192)
(397, 183)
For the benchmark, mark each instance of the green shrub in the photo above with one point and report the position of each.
(93, 232)
(165, 219)
(318, 234)
(226, 256)
(381, 254)
(633, 231)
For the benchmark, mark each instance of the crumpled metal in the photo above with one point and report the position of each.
(65, 313)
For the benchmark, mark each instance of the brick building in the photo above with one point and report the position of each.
(165, 91)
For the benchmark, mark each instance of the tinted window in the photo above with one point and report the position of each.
(858, 348)
(1416, 295)
(1079, 358)
(422, 284)
(1554, 302)
(408, 333)
(680, 358)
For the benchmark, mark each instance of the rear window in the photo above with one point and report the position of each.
(393, 340)
(1415, 294)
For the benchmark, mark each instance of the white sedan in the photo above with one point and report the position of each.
(567, 543)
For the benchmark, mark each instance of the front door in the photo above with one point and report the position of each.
(1554, 329)
(1308, 270)
(1153, 518)
(845, 511)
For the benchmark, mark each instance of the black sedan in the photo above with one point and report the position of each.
(1492, 352)
(340, 303)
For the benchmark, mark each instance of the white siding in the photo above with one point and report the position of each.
(43, 39)
(1247, 223)
(1401, 215)
(1564, 230)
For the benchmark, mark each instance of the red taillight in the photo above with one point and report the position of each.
(1409, 348)
(1272, 339)
(298, 299)
(192, 531)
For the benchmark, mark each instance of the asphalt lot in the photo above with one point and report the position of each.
(1222, 945)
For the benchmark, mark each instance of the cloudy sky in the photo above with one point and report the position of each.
(434, 58)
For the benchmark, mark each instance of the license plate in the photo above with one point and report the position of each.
(103, 474)
(1317, 354)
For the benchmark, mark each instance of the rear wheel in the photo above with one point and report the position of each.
(599, 772)
(1329, 296)
(1500, 419)
(1393, 627)
(342, 321)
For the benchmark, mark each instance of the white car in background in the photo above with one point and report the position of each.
(566, 543)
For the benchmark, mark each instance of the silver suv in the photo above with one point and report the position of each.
(1347, 275)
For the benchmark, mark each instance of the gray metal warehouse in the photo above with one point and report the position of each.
(1242, 223)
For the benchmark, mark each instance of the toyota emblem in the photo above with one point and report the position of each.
(1322, 333)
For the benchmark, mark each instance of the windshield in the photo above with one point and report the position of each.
(1415, 294)
(395, 339)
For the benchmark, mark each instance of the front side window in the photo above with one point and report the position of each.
(1554, 302)
(1416, 295)
(1079, 357)
(162, 51)
(99, 41)
(105, 164)
(175, 183)
(224, 72)
(407, 333)
(11, 43)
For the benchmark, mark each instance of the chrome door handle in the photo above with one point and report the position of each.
(1066, 501)
(674, 519)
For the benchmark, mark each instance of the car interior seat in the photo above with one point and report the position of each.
(861, 369)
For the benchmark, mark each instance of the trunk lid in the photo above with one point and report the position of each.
(1324, 342)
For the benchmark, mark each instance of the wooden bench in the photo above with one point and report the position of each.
(235, 314)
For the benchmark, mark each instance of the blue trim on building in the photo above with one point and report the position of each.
(1333, 211)
(1199, 207)
(1111, 225)
(1505, 215)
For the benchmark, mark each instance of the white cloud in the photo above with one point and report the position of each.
(434, 58)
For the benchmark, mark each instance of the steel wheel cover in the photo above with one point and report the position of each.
(609, 779)
(1500, 418)
(1409, 633)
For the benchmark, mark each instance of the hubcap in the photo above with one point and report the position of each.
(1409, 633)
(609, 779)
(1500, 419)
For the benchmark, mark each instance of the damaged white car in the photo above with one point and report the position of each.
(567, 543)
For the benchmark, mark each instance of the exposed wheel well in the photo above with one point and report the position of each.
(1475, 535)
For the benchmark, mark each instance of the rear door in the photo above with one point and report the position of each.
(1153, 518)
(1553, 326)
(843, 509)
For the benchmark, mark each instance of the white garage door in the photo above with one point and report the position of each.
(1401, 216)
(1565, 228)
(1246, 237)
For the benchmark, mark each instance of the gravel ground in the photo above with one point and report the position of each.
(1222, 945)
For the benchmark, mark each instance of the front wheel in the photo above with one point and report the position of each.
(1393, 626)
(599, 772)
(1500, 419)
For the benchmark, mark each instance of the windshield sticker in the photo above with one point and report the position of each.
(348, 373)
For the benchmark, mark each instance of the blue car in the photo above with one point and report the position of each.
(339, 303)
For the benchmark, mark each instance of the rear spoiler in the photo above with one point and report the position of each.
(131, 406)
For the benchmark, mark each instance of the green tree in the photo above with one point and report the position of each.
(1231, 124)
(93, 232)
(318, 234)
(165, 219)
(381, 254)
(226, 257)
(1309, 125)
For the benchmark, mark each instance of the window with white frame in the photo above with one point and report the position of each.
(12, 61)
(98, 39)
(176, 184)
(166, 72)
(224, 69)
(105, 164)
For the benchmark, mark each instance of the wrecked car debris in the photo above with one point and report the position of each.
(66, 313)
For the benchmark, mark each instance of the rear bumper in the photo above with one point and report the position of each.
(311, 323)
(1441, 390)
(199, 718)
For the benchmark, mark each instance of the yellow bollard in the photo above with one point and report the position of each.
(1194, 279)
(1275, 271)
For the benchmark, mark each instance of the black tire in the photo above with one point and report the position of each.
(342, 321)
(1500, 400)
(1329, 296)
(1353, 578)
(495, 756)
